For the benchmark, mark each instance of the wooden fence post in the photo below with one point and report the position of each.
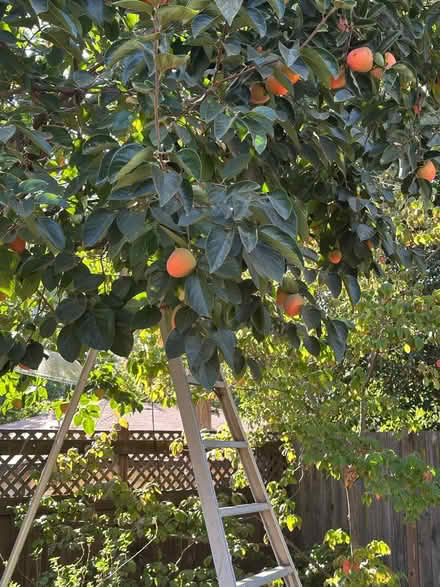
(204, 415)
(411, 529)
(123, 436)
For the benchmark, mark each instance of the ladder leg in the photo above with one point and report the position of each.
(214, 525)
(258, 489)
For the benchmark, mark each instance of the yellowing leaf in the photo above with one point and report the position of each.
(406, 348)
(123, 423)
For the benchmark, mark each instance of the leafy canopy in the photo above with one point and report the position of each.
(128, 129)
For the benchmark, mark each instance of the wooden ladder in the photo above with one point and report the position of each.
(213, 514)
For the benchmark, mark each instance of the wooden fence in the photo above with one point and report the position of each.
(143, 456)
(322, 504)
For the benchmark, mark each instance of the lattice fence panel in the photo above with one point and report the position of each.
(141, 456)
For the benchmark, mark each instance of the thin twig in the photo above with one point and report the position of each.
(156, 95)
(318, 26)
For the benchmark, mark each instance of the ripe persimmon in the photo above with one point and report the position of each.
(293, 304)
(360, 59)
(181, 263)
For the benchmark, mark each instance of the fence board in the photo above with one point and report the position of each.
(144, 456)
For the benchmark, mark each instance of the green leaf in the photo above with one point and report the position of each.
(175, 344)
(322, 63)
(40, 6)
(70, 309)
(32, 185)
(121, 161)
(311, 317)
(312, 344)
(197, 295)
(200, 23)
(352, 287)
(222, 123)
(132, 224)
(267, 262)
(248, 236)
(38, 139)
(218, 247)
(229, 9)
(33, 355)
(7, 132)
(281, 203)
(96, 227)
(210, 110)
(334, 283)
(209, 371)
(147, 317)
(226, 341)
(96, 329)
(337, 332)
(123, 342)
(185, 318)
(134, 6)
(97, 144)
(167, 184)
(49, 326)
(255, 369)
(190, 161)
(68, 343)
(51, 231)
(166, 61)
(180, 14)
(289, 55)
(235, 166)
(95, 10)
(283, 243)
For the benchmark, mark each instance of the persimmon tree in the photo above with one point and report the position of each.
(131, 129)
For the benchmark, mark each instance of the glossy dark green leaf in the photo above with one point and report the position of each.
(352, 287)
(49, 326)
(96, 329)
(123, 342)
(95, 10)
(96, 227)
(68, 343)
(267, 262)
(167, 184)
(312, 345)
(337, 332)
(226, 342)
(185, 318)
(229, 9)
(311, 317)
(147, 317)
(34, 355)
(52, 232)
(175, 344)
(197, 295)
(70, 309)
(218, 247)
(39, 6)
(131, 223)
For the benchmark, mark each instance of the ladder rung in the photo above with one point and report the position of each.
(265, 577)
(213, 443)
(241, 510)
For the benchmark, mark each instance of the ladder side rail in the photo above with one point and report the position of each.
(205, 487)
(257, 487)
